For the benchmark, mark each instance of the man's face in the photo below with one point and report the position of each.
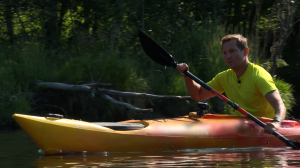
(232, 55)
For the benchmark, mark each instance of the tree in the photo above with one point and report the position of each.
(286, 16)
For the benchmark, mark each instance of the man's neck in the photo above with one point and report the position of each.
(241, 70)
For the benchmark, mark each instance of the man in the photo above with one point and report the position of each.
(245, 83)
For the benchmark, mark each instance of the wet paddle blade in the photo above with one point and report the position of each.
(155, 51)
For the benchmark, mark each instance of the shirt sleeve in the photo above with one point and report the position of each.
(265, 83)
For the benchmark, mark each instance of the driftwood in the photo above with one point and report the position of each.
(143, 95)
(104, 93)
(112, 100)
(62, 86)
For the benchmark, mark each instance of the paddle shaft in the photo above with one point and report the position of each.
(241, 110)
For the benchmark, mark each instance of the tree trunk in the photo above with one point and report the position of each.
(9, 24)
(50, 25)
(63, 10)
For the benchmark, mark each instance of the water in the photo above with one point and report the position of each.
(18, 151)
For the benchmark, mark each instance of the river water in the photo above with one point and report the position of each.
(17, 150)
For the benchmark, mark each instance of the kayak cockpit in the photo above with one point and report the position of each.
(121, 126)
(112, 125)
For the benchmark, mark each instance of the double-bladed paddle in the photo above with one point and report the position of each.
(161, 56)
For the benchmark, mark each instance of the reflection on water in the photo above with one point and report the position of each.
(20, 147)
(192, 158)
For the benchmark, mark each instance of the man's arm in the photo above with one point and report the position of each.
(276, 102)
(197, 92)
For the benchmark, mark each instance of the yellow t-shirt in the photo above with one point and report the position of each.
(250, 93)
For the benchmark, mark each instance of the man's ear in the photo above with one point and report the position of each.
(246, 51)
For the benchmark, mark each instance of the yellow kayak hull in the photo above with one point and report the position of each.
(57, 136)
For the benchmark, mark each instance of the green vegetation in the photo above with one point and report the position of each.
(286, 93)
(78, 42)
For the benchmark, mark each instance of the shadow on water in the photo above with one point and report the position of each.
(17, 150)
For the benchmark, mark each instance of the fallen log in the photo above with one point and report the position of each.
(144, 95)
(104, 93)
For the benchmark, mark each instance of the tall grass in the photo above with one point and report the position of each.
(199, 47)
(22, 65)
(124, 65)
(20, 68)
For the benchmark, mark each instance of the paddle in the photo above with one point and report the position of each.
(161, 56)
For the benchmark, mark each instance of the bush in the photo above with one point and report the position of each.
(286, 93)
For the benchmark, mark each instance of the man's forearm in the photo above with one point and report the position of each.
(276, 102)
(193, 88)
(280, 111)
(197, 92)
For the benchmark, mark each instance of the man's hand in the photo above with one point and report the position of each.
(271, 127)
(181, 68)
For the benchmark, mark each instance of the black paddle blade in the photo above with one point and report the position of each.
(155, 51)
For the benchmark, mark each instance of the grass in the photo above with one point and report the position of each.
(127, 67)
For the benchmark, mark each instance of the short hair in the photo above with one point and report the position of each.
(241, 41)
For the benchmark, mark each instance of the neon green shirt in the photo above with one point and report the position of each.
(250, 93)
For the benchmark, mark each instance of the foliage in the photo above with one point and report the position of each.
(22, 68)
(76, 41)
(286, 93)
(199, 47)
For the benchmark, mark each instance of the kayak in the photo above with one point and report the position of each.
(57, 135)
